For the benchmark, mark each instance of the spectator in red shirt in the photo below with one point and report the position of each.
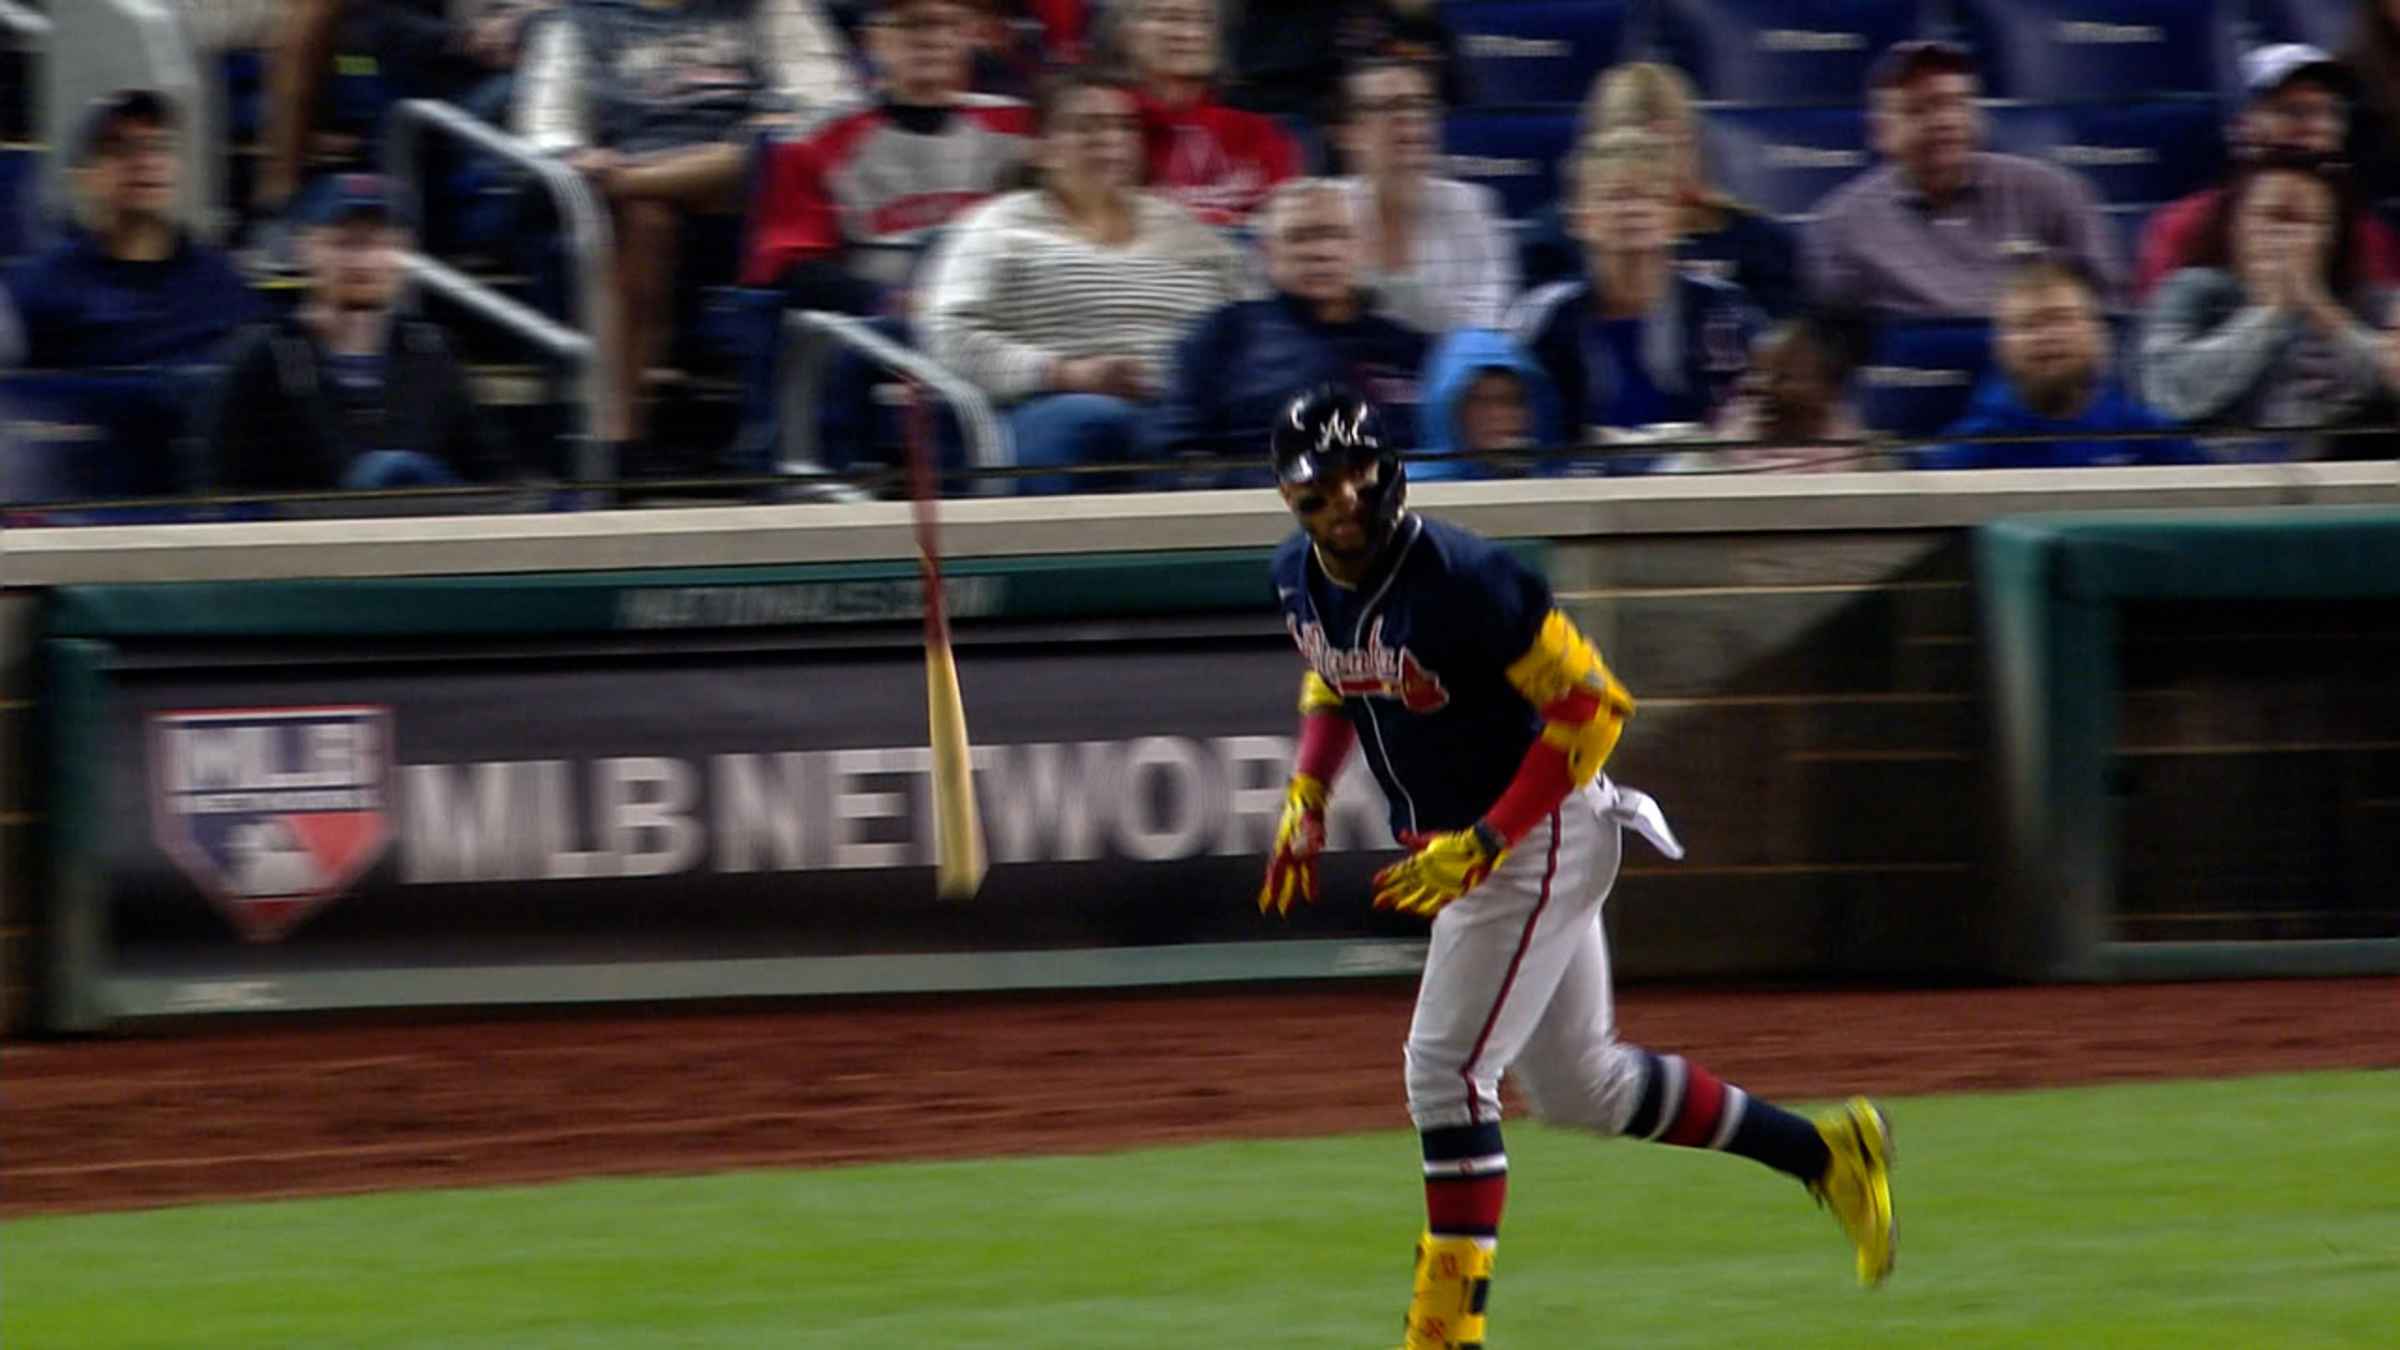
(1217, 162)
(842, 214)
(2299, 104)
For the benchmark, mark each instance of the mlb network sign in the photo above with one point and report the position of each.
(272, 812)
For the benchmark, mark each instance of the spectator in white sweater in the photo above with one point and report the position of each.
(1066, 301)
(1437, 254)
(655, 102)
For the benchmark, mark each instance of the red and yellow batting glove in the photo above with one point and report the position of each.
(1299, 838)
(1447, 867)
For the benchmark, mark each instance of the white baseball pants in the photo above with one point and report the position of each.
(1517, 978)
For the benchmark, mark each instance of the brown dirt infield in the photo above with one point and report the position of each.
(305, 1109)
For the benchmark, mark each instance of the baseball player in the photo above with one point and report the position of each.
(1486, 717)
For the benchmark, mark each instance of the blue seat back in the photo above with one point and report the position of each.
(2098, 49)
(2131, 153)
(1784, 160)
(1919, 376)
(73, 435)
(1782, 52)
(1536, 51)
(20, 197)
(2324, 23)
(1515, 154)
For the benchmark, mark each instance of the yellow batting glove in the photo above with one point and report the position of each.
(1447, 867)
(1299, 838)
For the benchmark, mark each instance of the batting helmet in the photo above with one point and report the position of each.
(1333, 429)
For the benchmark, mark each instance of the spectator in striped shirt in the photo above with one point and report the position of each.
(1217, 162)
(1064, 302)
(1437, 254)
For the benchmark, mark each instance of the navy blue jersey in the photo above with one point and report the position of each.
(1419, 652)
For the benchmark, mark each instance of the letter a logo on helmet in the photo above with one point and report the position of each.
(1333, 429)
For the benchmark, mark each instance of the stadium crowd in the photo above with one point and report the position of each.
(1137, 227)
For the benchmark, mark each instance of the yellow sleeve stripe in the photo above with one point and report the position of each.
(1583, 707)
(1316, 696)
(1561, 663)
(1585, 744)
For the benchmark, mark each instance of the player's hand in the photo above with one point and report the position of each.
(1447, 867)
(1299, 838)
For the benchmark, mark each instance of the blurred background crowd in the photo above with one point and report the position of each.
(1551, 236)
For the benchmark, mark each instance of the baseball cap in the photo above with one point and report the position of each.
(357, 196)
(1904, 61)
(97, 132)
(2267, 69)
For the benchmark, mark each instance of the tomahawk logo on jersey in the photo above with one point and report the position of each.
(1372, 671)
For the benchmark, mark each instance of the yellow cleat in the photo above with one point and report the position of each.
(1857, 1185)
(1445, 1309)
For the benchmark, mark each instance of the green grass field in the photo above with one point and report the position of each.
(2260, 1212)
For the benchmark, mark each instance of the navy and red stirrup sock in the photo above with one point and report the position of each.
(1686, 1105)
(1466, 1181)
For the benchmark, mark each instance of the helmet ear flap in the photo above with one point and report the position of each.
(1391, 495)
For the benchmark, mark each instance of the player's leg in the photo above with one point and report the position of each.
(1495, 958)
(1576, 1072)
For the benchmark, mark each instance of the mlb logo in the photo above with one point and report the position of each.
(272, 812)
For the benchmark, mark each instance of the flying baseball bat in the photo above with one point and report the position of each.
(958, 825)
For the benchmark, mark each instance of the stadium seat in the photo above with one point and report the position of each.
(2326, 23)
(1784, 161)
(1536, 51)
(1919, 376)
(20, 193)
(2129, 152)
(86, 435)
(1515, 154)
(2099, 49)
(2125, 225)
(1781, 52)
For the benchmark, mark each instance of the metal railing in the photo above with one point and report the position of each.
(988, 444)
(21, 23)
(590, 248)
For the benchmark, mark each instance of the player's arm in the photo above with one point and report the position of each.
(1325, 741)
(1583, 710)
